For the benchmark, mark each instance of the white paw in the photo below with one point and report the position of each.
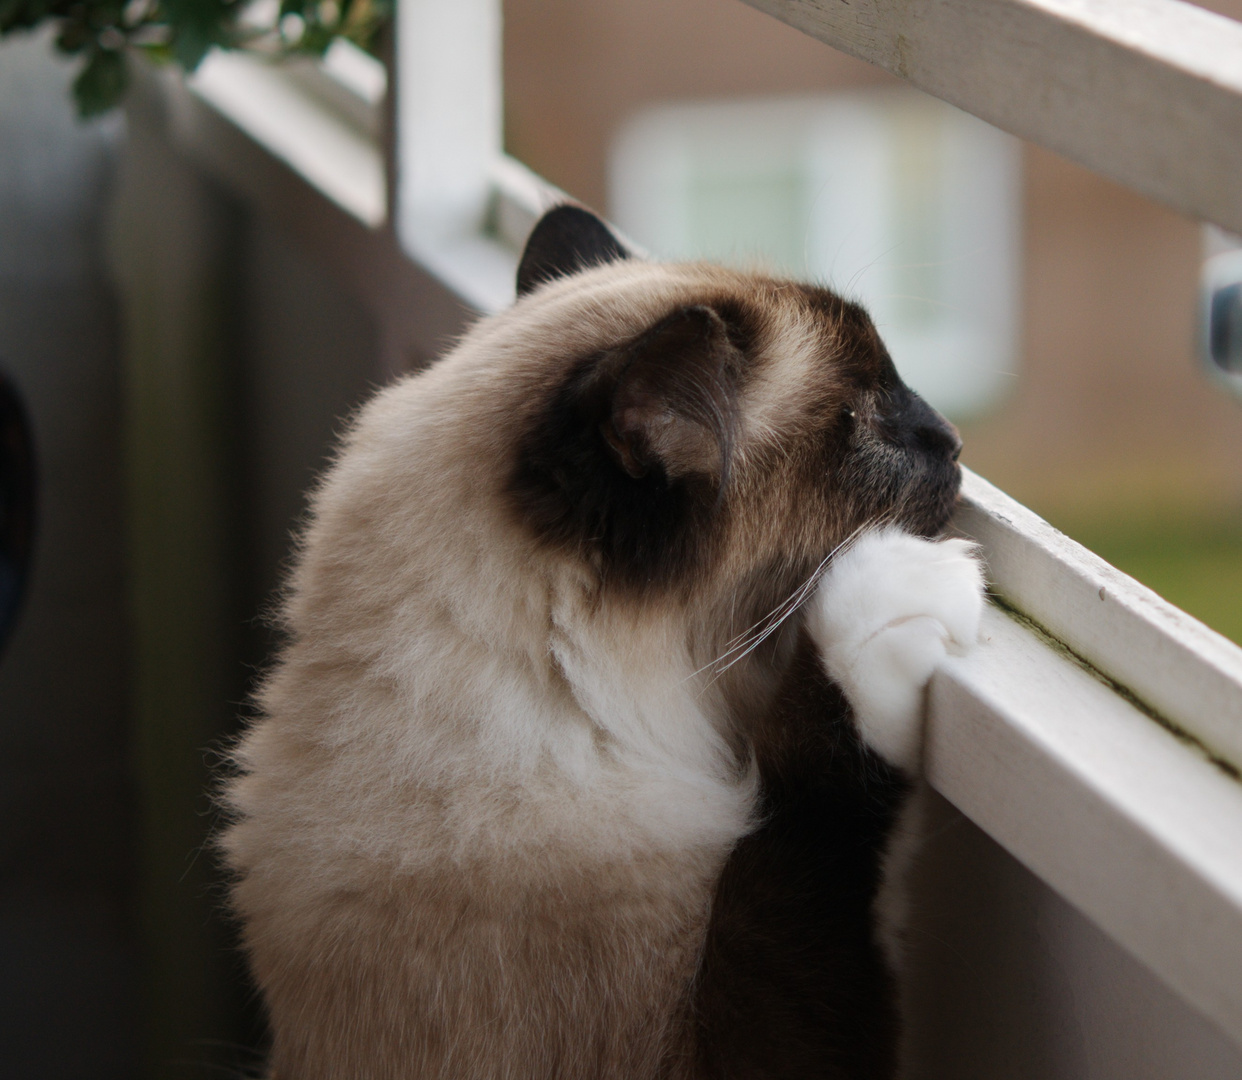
(886, 613)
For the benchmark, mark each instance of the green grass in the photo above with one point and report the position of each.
(1193, 562)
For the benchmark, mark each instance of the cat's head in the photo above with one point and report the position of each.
(706, 429)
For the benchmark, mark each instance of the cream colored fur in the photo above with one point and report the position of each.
(477, 827)
(464, 756)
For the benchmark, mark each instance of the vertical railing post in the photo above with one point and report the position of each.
(448, 118)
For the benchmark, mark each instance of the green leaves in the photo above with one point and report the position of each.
(101, 83)
(23, 14)
(318, 22)
(104, 32)
(197, 25)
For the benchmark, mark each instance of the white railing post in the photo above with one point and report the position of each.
(448, 126)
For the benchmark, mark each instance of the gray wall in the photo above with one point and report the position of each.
(242, 354)
(186, 366)
(67, 943)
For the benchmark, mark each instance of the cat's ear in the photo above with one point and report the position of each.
(671, 398)
(566, 239)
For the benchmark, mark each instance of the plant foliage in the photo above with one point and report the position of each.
(107, 32)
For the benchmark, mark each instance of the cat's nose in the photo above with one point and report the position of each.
(952, 438)
(933, 433)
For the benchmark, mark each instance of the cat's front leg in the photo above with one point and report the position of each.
(886, 613)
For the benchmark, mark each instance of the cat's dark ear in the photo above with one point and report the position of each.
(672, 398)
(566, 239)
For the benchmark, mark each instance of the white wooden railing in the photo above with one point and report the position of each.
(1093, 734)
(1097, 732)
(1146, 92)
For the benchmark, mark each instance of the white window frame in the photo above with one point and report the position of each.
(1096, 733)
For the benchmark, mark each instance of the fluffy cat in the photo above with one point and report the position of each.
(558, 774)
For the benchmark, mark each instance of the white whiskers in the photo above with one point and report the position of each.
(755, 635)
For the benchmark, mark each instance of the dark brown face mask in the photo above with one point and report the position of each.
(17, 505)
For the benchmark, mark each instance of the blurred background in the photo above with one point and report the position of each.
(186, 350)
(1085, 399)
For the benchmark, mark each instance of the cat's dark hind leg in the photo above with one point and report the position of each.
(792, 981)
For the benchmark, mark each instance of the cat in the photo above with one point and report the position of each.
(606, 644)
